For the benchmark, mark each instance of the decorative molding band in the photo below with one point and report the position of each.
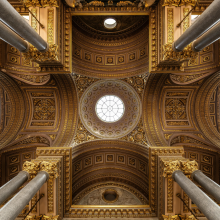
(40, 3)
(179, 3)
(178, 217)
(170, 28)
(42, 217)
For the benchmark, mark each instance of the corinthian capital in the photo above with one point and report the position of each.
(188, 167)
(31, 167)
(50, 168)
(170, 166)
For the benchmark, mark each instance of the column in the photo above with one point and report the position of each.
(209, 185)
(10, 37)
(206, 39)
(11, 186)
(17, 23)
(205, 21)
(13, 207)
(208, 207)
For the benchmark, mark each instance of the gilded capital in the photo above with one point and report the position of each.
(170, 166)
(170, 217)
(50, 168)
(49, 3)
(170, 55)
(188, 167)
(40, 3)
(179, 3)
(35, 55)
(42, 217)
(32, 3)
(31, 167)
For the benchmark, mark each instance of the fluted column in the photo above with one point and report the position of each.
(13, 207)
(204, 22)
(206, 39)
(11, 186)
(10, 37)
(10, 17)
(209, 185)
(206, 205)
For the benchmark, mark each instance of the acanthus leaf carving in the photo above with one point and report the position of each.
(189, 167)
(170, 166)
(50, 168)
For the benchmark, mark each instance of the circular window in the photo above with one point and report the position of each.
(110, 108)
(110, 196)
(110, 23)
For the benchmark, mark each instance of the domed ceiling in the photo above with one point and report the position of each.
(110, 53)
(119, 128)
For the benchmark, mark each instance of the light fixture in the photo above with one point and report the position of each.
(110, 23)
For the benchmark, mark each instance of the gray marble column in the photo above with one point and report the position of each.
(206, 205)
(11, 186)
(10, 17)
(204, 22)
(206, 39)
(209, 185)
(10, 37)
(14, 207)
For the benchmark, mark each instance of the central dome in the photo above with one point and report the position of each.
(110, 108)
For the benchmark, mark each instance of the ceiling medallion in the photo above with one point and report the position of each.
(127, 106)
(110, 195)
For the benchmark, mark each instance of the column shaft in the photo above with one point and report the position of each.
(206, 205)
(10, 17)
(10, 37)
(206, 39)
(11, 186)
(209, 185)
(14, 207)
(205, 21)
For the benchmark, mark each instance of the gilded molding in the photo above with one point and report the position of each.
(32, 3)
(33, 20)
(170, 26)
(96, 3)
(170, 167)
(49, 3)
(35, 55)
(170, 217)
(50, 26)
(186, 21)
(40, 3)
(125, 3)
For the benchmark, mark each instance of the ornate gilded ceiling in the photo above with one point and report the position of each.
(119, 53)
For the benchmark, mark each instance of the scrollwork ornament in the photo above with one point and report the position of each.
(189, 167)
(170, 166)
(125, 3)
(179, 3)
(50, 168)
(31, 167)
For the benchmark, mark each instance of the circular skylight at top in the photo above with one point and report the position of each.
(110, 108)
(110, 23)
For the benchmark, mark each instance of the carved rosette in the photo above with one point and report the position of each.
(185, 55)
(32, 168)
(35, 55)
(188, 167)
(170, 166)
(50, 168)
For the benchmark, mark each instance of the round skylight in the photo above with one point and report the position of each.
(110, 23)
(110, 108)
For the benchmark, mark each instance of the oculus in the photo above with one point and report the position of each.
(110, 196)
(110, 23)
(110, 108)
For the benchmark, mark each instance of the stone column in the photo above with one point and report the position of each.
(206, 39)
(209, 185)
(10, 37)
(14, 207)
(206, 205)
(203, 23)
(10, 17)
(11, 186)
